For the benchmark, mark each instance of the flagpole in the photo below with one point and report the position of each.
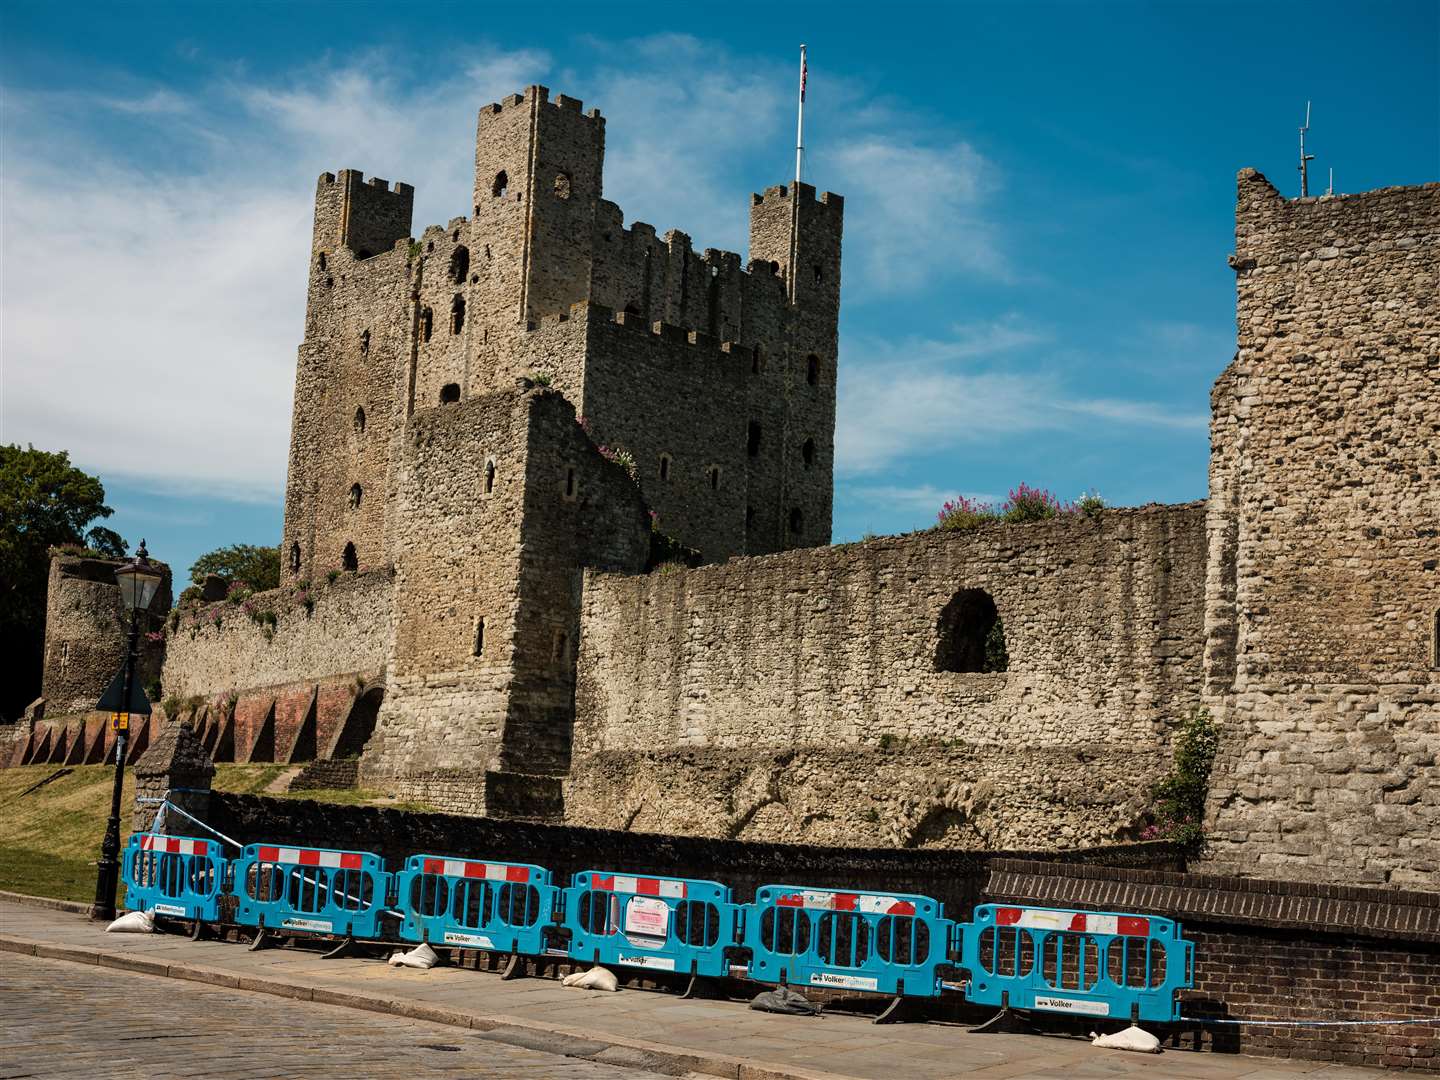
(800, 119)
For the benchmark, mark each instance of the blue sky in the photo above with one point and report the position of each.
(1039, 206)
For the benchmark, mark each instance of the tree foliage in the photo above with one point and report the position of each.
(257, 567)
(45, 502)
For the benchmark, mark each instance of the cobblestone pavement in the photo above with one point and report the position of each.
(64, 1019)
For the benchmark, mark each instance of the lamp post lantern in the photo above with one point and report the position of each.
(138, 579)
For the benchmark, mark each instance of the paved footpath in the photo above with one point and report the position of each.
(634, 1029)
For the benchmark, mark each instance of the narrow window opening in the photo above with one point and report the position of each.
(749, 517)
(752, 438)
(430, 248)
(479, 636)
(774, 268)
(450, 393)
(807, 452)
(349, 560)
(457, 315)
(364, 342)
(1435, 643)
(970, 635)
(360, 420)
(427, 324)
(812, 369)
(356, 494)
(489, 477)
(664, 466)
(459, 264)
(570, 483)
(797, 521)
(500, 186)
(712, 474)
(819, 274)
(455, 236)
(757, 360)
(560, 649)
(562, 186)
(329, 282)
(322, 260)
(294, 558)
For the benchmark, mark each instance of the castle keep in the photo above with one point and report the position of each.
(494, 424)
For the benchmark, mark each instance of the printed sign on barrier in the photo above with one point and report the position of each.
(1088, 963)
(662, 924)
(879, 942)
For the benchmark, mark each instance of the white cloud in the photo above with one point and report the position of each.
(1137, 412)
(918, 498)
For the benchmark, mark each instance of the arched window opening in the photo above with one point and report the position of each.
(797, 521)
(356, 494)
(427, 324)
(294, 558)
(459, 265)
(360, 420)
(752, 438)
(664, 466)
(489, 477)
(450, 393)
(349, 560)
(457, 315)
(812, 369)
(774, 267)
(807, 452)
(562, 186)
(971, 635)
(712, 475)
(364, 342)
(479, 636)
(455, 236)
(500, 186)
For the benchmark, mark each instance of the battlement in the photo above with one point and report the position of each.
(803, 191)
(356, 176)
(367, 217)
(539, 95)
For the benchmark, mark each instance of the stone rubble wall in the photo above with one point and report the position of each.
(1324, 592)
(794, 696)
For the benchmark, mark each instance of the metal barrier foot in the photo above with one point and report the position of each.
(894, 1012)
(512, 969)
(197, 931)
(690, 988)
(260, 941)
(1006, 1022)
(343, 949)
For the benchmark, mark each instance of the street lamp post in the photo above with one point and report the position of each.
(138, 580)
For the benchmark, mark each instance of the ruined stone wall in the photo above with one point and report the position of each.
(1325, 527)
(795, 696)
(220, 648)
(86, 628)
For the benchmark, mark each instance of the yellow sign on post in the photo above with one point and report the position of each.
(120, 721)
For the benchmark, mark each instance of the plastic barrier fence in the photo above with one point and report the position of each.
(1083, 962)
(667, 924)
(501, 907)
(173, 875)
(883, 943)
(314, 890)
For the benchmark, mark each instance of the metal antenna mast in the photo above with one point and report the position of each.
(1305, 158)
(1331, 189)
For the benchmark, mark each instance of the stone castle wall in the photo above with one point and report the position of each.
(1325, 539)
(796, 697)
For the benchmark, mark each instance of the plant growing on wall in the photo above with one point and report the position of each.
(962, 512)
(1026, 503)
(1090, 503)
(1179, 808)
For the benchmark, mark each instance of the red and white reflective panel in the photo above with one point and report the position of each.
(344, 860)
(173, 845)
(488, 871)
(869, 903)
(640, 886)
(1087, 922)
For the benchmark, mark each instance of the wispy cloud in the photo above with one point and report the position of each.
(1136, 412)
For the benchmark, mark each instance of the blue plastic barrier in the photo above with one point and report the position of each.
(312, 890)
(173, 875)
(879, 942)
(1089, 963)
(665, 924)
(500, 907)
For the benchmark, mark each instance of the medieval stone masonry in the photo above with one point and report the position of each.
(557, 528)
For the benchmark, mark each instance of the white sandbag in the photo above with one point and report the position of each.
(1132, 1038)
(597, 978)
(422, 957)
(133, 922)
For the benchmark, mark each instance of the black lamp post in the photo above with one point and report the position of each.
(138, 581)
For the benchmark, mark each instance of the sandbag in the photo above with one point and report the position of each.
(422, 957)
(784, 1000)
(133, 922)
(1132, 1038)
(597, 978)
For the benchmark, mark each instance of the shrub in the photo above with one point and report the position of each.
(964, 513)
(1030, 504)
(541, 378)
(1179, 808)
(1090, 503)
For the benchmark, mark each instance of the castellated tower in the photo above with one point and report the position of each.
(462, 401)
